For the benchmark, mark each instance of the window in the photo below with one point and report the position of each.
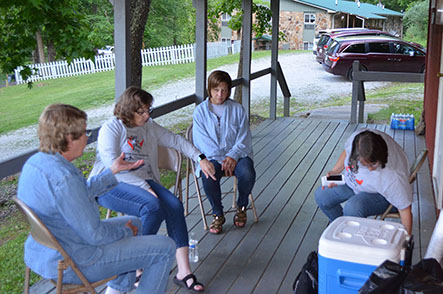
(310, 21)
(381, 47)
(309, 18)
(400, 48)
(355, 48)
(226, 40)
(225, 17)
(307, 45)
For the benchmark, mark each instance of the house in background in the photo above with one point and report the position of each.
(301, 20)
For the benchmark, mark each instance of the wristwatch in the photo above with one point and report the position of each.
(201, 157)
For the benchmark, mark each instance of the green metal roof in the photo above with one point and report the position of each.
(365, 10)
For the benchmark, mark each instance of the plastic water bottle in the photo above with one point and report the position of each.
(193, 248)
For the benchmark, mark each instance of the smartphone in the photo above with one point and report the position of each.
(337, 179)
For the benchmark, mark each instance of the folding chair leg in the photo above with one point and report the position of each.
(253, 208)
(200, 202)
(234, 197)
(27, 278)
(187, 187)
(60, 268)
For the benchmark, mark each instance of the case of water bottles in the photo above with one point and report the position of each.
(402, 121)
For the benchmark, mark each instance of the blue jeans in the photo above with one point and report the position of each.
(133, 200)
(154, 254)
(244, 172)
(362, 204)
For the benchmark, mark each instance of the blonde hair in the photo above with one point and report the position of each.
(132, 99)
(56, 123)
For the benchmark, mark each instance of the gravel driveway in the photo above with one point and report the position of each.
(307, 81)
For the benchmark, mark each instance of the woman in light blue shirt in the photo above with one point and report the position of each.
(221, 131)
(66, 203)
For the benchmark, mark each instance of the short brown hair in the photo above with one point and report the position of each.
(56, 123)
(216, 77)
(132, 99)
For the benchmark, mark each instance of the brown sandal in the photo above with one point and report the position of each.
(240, 217)
(217, 224)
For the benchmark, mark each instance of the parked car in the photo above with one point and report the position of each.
(328, 38)
(316, 39)
(107, 50)
(320, 37)
(375, 53)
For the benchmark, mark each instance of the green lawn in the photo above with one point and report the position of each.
(21, 107)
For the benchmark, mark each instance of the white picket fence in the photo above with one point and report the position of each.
(150, 57)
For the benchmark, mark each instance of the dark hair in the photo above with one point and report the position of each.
(132, 99)
(56, 123)
(216, 77)
(368, 146)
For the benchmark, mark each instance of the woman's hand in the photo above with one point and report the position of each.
(152, 192)
(132, 227)
(207, 169)
(228, 165)
(120, 164)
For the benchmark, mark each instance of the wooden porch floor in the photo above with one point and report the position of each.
(264, 257)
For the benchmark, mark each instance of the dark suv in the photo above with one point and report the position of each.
(375, 54)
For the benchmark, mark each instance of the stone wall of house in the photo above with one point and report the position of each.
(323, 21)
(291, 23)
(394, 25)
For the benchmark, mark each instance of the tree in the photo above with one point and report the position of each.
(262, 24)
(416, 21)
(58, 22)
(397, 5)
(170, 22)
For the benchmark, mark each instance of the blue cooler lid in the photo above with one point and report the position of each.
(363, 240)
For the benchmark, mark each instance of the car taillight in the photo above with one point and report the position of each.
(333, 58)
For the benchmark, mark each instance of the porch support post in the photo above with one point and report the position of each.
(122, 46)
(275, 7)
(201, 8)
(246, 73)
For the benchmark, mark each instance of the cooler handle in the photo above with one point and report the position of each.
(351, 280)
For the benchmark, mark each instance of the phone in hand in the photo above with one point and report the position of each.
(337, 179)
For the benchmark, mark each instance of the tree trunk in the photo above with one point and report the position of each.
(139, 16)
(238, 90)
(51, 51)
(40, 48)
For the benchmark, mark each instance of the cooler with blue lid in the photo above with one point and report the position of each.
(351, 248)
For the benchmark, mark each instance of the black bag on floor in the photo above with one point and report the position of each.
(425, 277)
(386, 278)
(306, 281)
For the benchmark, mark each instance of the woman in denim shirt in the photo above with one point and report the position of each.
(66, 203)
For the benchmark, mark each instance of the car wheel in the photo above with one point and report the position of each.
(350, 73)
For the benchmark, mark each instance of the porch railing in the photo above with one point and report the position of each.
(14, 165)
(358, 88)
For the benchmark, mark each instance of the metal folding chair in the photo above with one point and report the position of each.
(42, 235)
(190, 168)
(418, 162)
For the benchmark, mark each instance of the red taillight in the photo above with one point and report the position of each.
(333, 58)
